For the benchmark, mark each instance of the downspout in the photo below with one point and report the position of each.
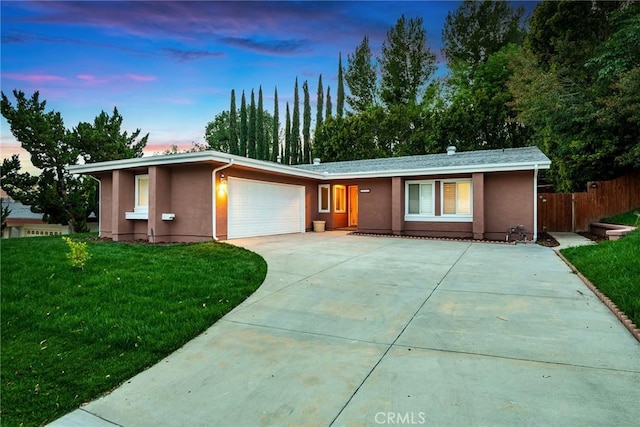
(215, 197)
(535, 203)
(99, 204)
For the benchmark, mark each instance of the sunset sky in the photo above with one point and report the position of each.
(169, 67)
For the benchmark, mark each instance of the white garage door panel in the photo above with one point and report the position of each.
(257, 208)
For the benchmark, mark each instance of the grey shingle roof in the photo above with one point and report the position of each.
(461, 159)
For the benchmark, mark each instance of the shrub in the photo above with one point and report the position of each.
(78, 254)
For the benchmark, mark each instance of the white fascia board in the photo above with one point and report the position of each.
(446, 170)
(195, 157)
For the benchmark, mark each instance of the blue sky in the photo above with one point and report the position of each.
(169, 67)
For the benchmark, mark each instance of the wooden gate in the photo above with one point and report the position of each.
(576, 211)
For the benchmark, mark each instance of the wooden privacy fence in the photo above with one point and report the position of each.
(575, 211)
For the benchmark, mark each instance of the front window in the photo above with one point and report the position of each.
(453, 203)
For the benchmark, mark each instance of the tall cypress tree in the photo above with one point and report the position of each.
(275, 152)
(261, 153)
(251, 141)
(327, 114)
(243, 126)
(296, 150)
(233, 125)
(340, 99)
(287, 139)
(320, 106)
(306, 125)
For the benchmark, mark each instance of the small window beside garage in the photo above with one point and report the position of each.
(324, 200)
(339, 199)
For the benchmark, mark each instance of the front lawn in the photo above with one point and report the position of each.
(613, 266)
(70, 335)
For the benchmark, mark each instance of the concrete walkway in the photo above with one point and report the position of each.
(365, 331)
(569, 240)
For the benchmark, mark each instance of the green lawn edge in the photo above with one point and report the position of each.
(70, 335)
(612, 266)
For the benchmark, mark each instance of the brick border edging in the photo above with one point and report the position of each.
(635, 331)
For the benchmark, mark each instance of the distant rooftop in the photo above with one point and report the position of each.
(460, 160)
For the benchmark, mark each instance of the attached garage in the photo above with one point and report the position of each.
(259, 208)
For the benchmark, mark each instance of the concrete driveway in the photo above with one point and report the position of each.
(364, 331)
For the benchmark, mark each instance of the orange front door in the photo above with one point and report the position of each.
(353, 206)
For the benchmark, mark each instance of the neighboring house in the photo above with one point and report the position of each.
(211, 195)
(21, 222)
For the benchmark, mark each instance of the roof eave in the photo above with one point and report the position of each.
(506, 167)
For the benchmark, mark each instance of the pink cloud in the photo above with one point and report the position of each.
(141, 78)
(87, 77)
(32, 78)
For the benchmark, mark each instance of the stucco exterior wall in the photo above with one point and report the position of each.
(191, 192)
(374, 214)
(508, 203)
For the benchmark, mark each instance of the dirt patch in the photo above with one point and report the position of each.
(545, 239)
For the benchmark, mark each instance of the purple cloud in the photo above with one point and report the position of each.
(140, 77)
(191, 54)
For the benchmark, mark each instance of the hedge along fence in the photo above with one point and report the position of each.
(576, 211)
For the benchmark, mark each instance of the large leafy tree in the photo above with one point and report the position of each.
(478, 29)
(217, 132)
(576, 84)
(55, 193)
(104, 139)
(361, 78)
(406, 63)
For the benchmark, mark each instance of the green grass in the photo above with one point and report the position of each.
(614, 268)
(70, 335)
(627, 218)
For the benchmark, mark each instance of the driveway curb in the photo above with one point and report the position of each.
(632, 327)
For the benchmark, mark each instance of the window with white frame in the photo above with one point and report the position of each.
(339, 199)
(142, 194)
(455, 200)
(324, 198)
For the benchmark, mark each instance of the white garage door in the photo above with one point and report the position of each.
(258, 208)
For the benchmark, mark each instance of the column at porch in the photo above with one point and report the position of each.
(159, 203)
(123, 199)
(478, 205)
(397, 211)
